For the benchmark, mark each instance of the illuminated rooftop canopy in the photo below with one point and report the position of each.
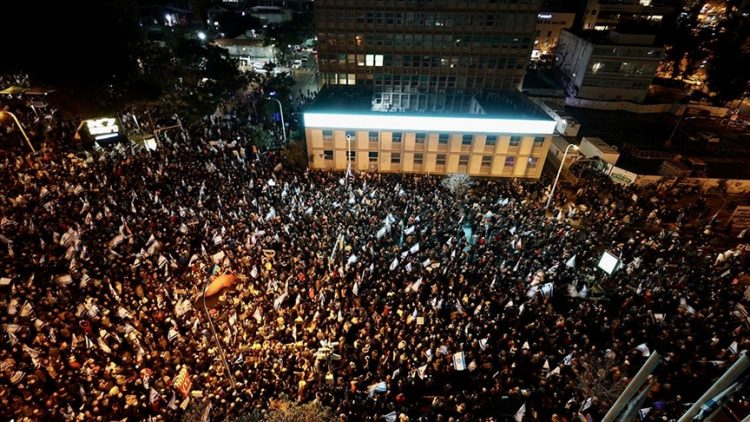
(393, 121)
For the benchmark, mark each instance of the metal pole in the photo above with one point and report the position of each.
(720, 385)
(216, 338)
(23, 132)
(633, 387)
(281, 112)
(669, 140)
(554, 185)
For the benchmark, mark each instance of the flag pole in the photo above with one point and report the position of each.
(720, 385)
(216, 338)
(633, 387)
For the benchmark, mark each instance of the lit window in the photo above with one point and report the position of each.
(533, 161)
(379, 60)
(596, 66)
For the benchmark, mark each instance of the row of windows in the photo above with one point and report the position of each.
(443, 138)
(398, 60)
(414, 85)
(426, 40)
(463, 159)
(425, 19)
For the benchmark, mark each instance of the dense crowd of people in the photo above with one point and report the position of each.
(381, 296)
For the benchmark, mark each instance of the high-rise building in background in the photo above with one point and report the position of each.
(607, 14)
(425, 46)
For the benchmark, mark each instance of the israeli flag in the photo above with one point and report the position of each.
(459, 361)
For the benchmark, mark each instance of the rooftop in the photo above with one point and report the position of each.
(490, 104)
(615, 37)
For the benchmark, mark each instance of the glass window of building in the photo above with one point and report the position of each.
(396, 158)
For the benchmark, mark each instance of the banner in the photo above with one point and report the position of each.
(182, 382)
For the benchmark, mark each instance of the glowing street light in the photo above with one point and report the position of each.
(23, 132)
(202, 36)
(281, 112)
(559, 170)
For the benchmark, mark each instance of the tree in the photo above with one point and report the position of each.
(290, 411)
(457, 183)
(596, 380)
(727, 71)
(296, 154)
(286, 34)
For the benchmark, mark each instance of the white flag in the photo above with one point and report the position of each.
(394, 264)
(643, 348)
(571, 263)
(414, 249)
(409, 230)
(520, 413)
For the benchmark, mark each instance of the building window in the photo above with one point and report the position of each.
(418, 158)
(463, 160)
(443, 138)
(515, 141)
(467, 139)
(440, 160)
(538, 141)
(419, 137)
(373, 156)
(373, 135)
(328, 154)
(510, 161)
(486, 160)
(396, 158)
(533, 161)
(327, 134)
(351, 155)
(397, 137)
(351, 135)
(491, 140)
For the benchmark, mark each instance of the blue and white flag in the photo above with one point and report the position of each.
(391, 417)
(459, 361)
(380, 387)
(571, 262)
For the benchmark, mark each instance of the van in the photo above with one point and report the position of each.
(296, 64)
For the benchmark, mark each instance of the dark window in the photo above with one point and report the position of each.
(463, 160)
(328, 155)
(373, 136)
(397, 136)
(533, 161)
(396, 158)
(467, 139)
(515, 141)
(491, 140)
(373, 156)
(440, 160)
(510, 161)
(351, 155)
(418, 158)
(486, 160)
(443, 138)
(538, 141)
(351, 134)
(327, 134)
(420, 137)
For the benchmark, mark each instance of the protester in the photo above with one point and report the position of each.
(435, 306)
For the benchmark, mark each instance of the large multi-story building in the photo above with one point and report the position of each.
(601, 65)
(487, 134)
(548, 28)
(607, 14)
(425, 46)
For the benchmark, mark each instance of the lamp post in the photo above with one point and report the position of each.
(562, 163)
(216, 338)
(281, 112)
(23, 132)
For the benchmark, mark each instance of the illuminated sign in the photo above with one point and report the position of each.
(102, 128)
(544, 16)
(428, 124)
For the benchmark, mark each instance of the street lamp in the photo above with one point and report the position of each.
(23, 132)
(554, 185)
(281, 112)
(216, 338)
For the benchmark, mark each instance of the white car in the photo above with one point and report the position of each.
(296, 64)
